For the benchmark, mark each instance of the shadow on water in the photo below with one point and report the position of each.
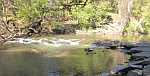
(21, 60)
(22, 64)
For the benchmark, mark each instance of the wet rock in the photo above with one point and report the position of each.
(135, 59)
(137, 50)
(143, 44)
(143, 62)
(135, 66)
(119, 69)
(108, 44)
(146, 71)
(132, 46)
(135, 73)
(139, 62)
(143, 54)
(123, 70)
(127, 45)
(89, 51)
(140, 49)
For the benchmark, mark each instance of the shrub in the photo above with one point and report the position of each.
(92, 12)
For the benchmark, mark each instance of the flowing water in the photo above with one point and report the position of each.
(18, 59)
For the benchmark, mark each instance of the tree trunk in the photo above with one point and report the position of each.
(125, 12)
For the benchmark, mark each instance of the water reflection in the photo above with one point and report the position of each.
(80, 64)
(24, 60)
(22, 64)
(41, 60)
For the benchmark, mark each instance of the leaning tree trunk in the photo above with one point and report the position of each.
(125, 10)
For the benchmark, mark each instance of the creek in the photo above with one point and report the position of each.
(41, 57)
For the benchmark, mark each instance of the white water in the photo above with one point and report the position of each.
(54, 42)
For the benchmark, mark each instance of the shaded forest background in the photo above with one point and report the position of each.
(20, 17)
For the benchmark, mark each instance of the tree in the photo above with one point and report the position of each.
(125, 12)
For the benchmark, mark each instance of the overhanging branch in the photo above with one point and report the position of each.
(69, 5)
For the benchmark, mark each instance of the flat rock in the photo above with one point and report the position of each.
(141, 62)
(143, 54)
(135, 72)
(146, 71)
(140, 49)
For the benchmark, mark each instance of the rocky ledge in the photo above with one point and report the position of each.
(139, 61)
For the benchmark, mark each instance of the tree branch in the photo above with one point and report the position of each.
(66, 6)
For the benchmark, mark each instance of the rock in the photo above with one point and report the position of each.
(135, 72)
(123, 70)
(127, 45)
(143, 54)
(137, 50)
(143, 62)
(108, 44)
(146, 71)
(89, 51)
(143, 44)
(140, 49)
(118, 69)
(139, 62)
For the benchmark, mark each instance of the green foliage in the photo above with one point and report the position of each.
(31, 9)
(137, 8)
(146, 15)
(133, 27)
(92, 11)
(140, 11)
(147, 23)
(83, 15)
